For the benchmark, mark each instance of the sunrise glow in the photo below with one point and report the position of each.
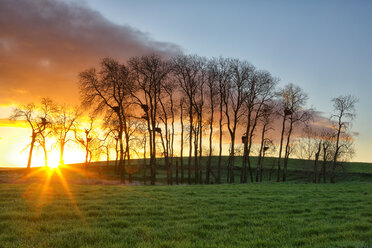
(185, 123)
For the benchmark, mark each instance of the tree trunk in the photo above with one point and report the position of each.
(259, 164)
(250, 145)
(207, 176)
(116, 155)
(286, 154)
(280, 148)
(33, 138)
(127, 152)
(152, 179)
(165, 157)
(316, 163)
(61, 153)
(107, 156)
(177, 182)
(324, 169)
(196, 169)
(144, 161)
(86, 155)
(121, 160)
(232, 160)
(45, 155)
(181, 151)
(200, 147)
(220, 143)
(172, 151)
(243, 174)
(153, 146)
(333, 169)
(190, 145)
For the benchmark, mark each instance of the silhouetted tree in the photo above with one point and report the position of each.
(64, 124)
(187, 70)
(343, 113)
(47, 110)
(28, 113)
(212, 87)
(223, 77)
(260, 90)
(109, 89)
(292, 100)
(327, 137)
(87, 139)
(181, 140)
(266, 117)
(166, 102)
(199, 109)
(233, 102)
(150, 72)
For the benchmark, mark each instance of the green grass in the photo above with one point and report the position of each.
(250, 215)
(96, 214)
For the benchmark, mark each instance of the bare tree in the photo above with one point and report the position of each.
(109, 89)
(327, 137)
(343, 114)
(317, 154)
(266, 118)
(295, 118)
(198, 103)
(292, 100)
(307, 146)
(260, 90)
(212, 87)
(223, 77)
(133, 127)
(181, 140)
(28, 113)
(87, 139)
(166, 103)
(187, 71)
(109, 140)
(233, 102)
(64, 125)
(150, 72)
(47, 109)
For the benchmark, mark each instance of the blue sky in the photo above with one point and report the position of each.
(323, 46)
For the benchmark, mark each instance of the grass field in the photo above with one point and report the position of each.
(95, 214)
(268, 215)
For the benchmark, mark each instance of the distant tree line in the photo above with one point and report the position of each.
(181, 108)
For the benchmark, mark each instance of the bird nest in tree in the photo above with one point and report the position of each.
(288, 111)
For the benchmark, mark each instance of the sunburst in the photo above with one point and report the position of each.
(45, 174)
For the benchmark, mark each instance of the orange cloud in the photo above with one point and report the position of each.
(44, 44)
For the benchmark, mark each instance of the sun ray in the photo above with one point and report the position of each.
(71, 197)
(82, 172)
(42, 196)
(30, 174)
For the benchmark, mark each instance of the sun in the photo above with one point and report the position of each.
(53, 166)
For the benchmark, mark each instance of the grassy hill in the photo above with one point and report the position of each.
(298, 171)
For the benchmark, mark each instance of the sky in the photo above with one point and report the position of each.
(325, 47)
